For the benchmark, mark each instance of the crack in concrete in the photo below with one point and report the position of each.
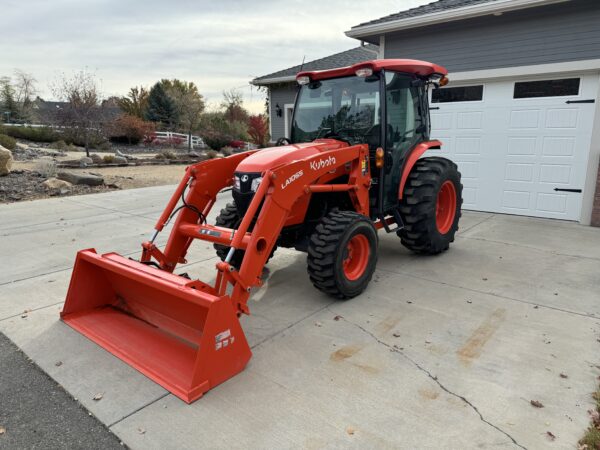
(433, 378)
(476, 225)
(283, 330)
(145, 405)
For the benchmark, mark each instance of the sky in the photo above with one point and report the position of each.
(217, 45)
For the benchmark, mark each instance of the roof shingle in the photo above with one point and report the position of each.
(342, 59)
(433, 7)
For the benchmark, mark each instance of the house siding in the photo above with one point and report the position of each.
(282, 95)
(556, 33)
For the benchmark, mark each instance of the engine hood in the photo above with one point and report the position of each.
(270, 158)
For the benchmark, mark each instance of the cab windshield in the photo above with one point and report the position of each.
(341, 108)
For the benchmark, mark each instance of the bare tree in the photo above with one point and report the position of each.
(83, 112)
(25, 91)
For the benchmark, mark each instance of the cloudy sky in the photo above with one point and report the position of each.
(217, 44)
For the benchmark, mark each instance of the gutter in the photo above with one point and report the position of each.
(497, 7)
(267, 81)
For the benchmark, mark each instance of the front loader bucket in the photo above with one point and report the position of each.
(177, 332)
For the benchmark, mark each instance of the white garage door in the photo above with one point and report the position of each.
(522, 145)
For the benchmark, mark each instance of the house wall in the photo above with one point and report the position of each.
(596, 209)
(562, 32)
(280, 95)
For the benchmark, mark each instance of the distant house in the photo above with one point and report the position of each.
(48, 112)
(520, 116)
(282, 85)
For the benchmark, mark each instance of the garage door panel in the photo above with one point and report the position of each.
(563, 146)
(517, 154)
(564, 118)
(551, 203)
(555, 174)
(521, 146)
(526, 118)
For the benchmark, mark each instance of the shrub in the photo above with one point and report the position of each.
(7, 142)
(258, 129)
(216, 140)
(227, 151)
(168, 154)
(108, 159)
(35, 134)
(46, 167)
(237, 144)
(77, 137)
(60, 145)
(211, 154)
(129, 129)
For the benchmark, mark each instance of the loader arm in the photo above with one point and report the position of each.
(281, 187)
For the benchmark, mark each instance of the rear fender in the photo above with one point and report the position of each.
(412, 158)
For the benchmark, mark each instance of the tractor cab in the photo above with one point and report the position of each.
(381, 103)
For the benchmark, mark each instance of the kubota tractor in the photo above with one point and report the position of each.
(351, 167)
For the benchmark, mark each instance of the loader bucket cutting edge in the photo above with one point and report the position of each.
(176, 332)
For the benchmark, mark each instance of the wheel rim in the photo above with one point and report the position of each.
(445, 208)
(356, 257)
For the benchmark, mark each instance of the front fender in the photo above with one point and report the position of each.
(412, 158)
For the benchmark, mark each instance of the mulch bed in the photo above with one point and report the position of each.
(21, 185)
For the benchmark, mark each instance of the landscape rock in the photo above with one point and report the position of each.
(54, 184)
(120, 160)
(6, 160)
(85, 161)
(81, 178)
(22, 146)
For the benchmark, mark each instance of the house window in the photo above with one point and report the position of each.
(457, 94)
(547, 88)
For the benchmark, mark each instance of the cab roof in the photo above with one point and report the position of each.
(420, 68)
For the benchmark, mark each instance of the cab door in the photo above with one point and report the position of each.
(406, 126)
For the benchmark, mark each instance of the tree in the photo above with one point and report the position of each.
(131, 127)
(233, 106)
(10, 107)
(83, 112)
(136, 102)
(161, 107)
(189, 104)
(25, 90)
(258, 129)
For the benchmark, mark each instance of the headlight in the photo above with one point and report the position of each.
(236, 182)
(255, 183)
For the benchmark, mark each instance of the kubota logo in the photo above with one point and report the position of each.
(292, 179)
(322, 163)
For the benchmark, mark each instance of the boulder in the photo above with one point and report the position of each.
(22, 146)
(119, 160)
(85, 161)
(6, 160)
(54, 184)
(81, 178)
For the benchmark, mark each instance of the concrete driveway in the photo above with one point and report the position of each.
(439, 352)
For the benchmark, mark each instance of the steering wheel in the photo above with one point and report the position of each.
(282, 141)
(335, 135)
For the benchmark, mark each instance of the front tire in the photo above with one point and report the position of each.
(342, 254)
(431, 206)
(230, 218)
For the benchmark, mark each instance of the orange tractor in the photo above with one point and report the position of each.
(351, 167)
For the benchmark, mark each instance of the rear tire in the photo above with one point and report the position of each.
(431, 206)
(342, 254)
(230, 218)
